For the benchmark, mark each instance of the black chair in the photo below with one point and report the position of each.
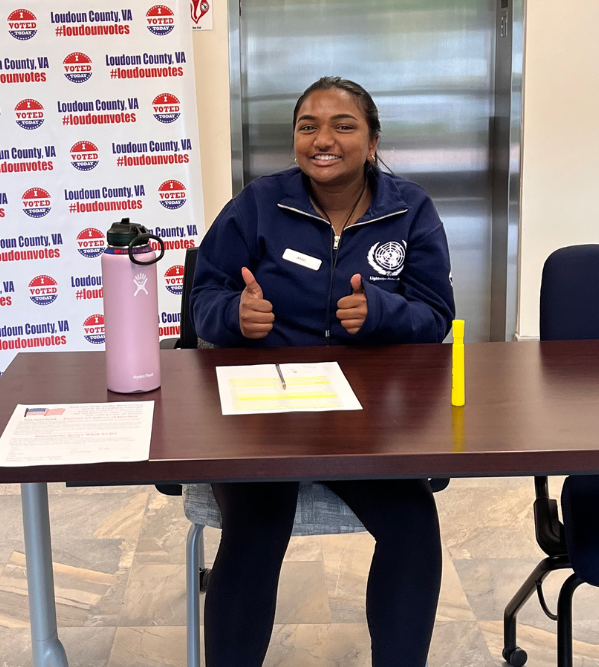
(187, 338)
(569, 311)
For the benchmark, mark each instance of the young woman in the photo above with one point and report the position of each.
(332, 252)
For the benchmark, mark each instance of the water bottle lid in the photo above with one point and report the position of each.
(123, 232)
(126, 234)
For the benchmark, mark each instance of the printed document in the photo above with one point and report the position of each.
(39, 435)
(309, 388)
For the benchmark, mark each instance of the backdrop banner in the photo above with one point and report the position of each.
(97, 123)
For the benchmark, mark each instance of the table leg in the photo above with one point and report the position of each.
(47, 649)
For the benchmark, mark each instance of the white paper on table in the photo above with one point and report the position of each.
(38, 435)
(310, 388)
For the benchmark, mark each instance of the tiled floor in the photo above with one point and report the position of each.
(120, 583)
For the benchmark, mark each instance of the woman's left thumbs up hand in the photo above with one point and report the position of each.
(352, 309)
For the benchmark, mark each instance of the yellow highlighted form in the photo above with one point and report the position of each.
(289, 396)
(305, 387)
(275, 382)
(314, 392)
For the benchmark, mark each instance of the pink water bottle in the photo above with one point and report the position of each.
(131, 309)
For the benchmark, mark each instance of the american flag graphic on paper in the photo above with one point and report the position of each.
(44, 412)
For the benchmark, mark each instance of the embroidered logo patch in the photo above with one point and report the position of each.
(387, 259)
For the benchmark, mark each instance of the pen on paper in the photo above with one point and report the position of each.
(283, 383)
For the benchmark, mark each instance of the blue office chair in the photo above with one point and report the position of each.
(569, 311)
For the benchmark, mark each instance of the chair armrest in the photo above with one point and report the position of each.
(170, 344)
(549, 530)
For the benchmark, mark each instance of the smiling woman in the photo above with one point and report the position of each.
(330, 252)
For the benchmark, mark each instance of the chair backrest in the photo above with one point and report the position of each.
(570, 294)
(570, 311)
(188, 338)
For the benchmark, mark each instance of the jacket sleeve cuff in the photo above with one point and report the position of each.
(232, 316)
(373, 316)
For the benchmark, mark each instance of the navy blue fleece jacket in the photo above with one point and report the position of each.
(398, 246)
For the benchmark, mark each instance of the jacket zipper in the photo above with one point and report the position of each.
(336, 243)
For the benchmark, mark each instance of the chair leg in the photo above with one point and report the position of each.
(512, 653)
(201, 550)
(204, 572)
(194, 557)
(564, 621)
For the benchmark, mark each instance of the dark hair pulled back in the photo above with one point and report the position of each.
(361, 95)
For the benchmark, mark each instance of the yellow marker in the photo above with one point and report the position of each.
(458, 381)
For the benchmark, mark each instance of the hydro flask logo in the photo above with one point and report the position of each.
(140, 281)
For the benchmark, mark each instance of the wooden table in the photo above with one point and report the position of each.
(531, 408)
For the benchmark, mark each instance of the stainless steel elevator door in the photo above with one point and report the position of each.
(429, 65)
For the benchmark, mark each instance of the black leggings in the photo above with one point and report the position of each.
(403, 584)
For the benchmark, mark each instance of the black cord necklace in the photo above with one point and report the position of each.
(353, 208)
(335, 249)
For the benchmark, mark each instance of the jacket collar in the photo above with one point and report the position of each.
(386, 199)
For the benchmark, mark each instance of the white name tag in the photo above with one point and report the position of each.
(301, 259)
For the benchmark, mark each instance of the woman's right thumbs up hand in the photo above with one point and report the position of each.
(255, 313)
